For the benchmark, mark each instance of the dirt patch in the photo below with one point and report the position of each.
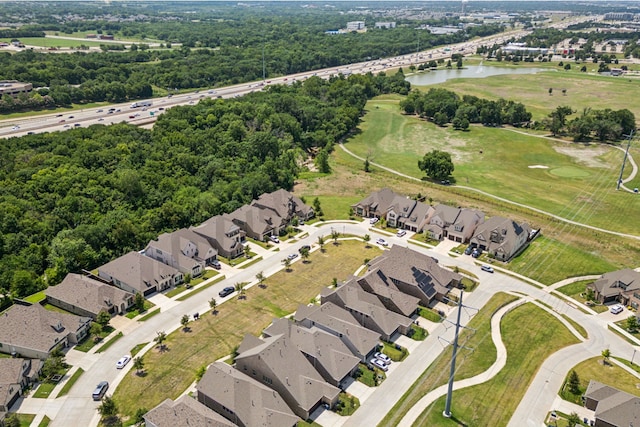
(588, 156)
(538, 167)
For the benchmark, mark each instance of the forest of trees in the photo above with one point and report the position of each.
(443, 106)
(602, 125)
(76, 199)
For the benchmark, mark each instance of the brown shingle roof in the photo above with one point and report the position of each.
(87, 294)
(253, 403)
(616, 282)
(138, 271)
(186, 411)
(615, 407)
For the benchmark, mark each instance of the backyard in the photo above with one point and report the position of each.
(212, 337)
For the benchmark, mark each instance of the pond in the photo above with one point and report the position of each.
(470, 72)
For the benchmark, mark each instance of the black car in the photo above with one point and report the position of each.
(226, 291)
(304, 247)
(468, 250)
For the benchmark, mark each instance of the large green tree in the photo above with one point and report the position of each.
(436, 164)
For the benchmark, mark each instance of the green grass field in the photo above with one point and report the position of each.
(527, 348)
(577, 181)
(575, 291)
(213, 336)
(48, 42)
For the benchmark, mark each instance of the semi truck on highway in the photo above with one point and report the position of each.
(141, 104)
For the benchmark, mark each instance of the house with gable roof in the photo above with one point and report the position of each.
(621, 285)
(185, 411)
(367, 309)
(328, 355)
(137, 273)
(285, 205)
(399, 211)
(16, 375)
(409, 272)
(256, 222)
(243, 400)
(613, 407)
(465, 225)
(501, 237)
(223, 235)
(33, 332)
(183, 250)
(329, 317)
(277, 362)
(443, 217)
(84, 296)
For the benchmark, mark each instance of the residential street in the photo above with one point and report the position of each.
(77, 408)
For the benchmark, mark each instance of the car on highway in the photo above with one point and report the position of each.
(616, 309)
(99, 111)
(100, 390)
(66, 126)
(71, 117)
(380, 241)
(122, 362)
(132, 116)
(383, 357)
(62, 121)
(379, 364)
(226, 291)
(16, 127)
(77, 125)
(486, 268)
(101, 119)
(30, 133)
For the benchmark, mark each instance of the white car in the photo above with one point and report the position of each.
(274, 239)
(379, 364)
(383, 357)
(123, 362)
(373, 220)
(381, 242)
(616, 309)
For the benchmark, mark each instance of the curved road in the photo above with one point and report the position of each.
(502, 199)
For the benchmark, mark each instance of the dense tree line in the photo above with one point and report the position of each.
(602, 125)
(76, 199)
(443, 106)
(20, 32)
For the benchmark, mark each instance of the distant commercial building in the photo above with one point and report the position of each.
(518, 48)
(385, 25)
(618, 16)
(14, 87)
(356, 26)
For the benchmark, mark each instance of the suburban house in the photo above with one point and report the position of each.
(15, 376)
(409, 272)
(87, 297)
(329, 317)
(622, 286)
(183, 250)
(223, 235)
(329, 356)
(136, 273)
(443, 217)
(243, 400)
(613, 408)
(186, 411)
(464, 226)
(501, 237)
(367, 309)
(285, 205)
(278, 363)
(257, 223)
(399, 211)
(32, 331)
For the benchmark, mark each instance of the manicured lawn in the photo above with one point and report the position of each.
(582, 331)
(502, 166)
(44, 390)
(469, 363)
(133, 313)
(395, 354)
(575, 291)
(25, 419)
(527, 349)
(214, 336)
(90, 342)
(70, 382)
(429, 314)
(419, 334)
(250, 263)
(549, 261)
(45, 422)
(610, 374)
(36, 298)
(201, 288)
(366, 376)
(149, 315)
(135, 350)
(109, 343)
(347, 404)
(53, 42)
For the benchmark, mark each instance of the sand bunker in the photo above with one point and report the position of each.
(538, 167)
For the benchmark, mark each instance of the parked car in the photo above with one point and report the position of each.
(468, 250)
(401, 233)
(616, 309)
(123, 361)
(383, 357)
(292, 256)
(226, 291)
(100, 390)
(274, 239)
(486, 268)
(381, 242)
(379, 364)
(303, 247)
(476, 253)
(216, 264)
(373, 220)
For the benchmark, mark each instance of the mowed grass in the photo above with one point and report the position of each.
(469, 363)
(215, 336)
(576, 289)
(492, 403)
(55, 42)
(549, 261)
(578, 182)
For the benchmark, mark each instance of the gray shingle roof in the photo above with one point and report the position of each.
(186, 411)
(615, 407)
(448, 214)
(283, 203)
(259, 221)
(36, 328)
(11, 371)
(138, 271)
(220, 229)
(327, 349)
(616, 282)
(253, 403)
(88, 294)
(178, 243)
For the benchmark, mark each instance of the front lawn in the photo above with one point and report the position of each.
(90, 341)
(135, 312)
(44, 390)
(214, 336)
(70, 382)
(109, 343)
(347, 404)
(418, 333)
(395, 352)
(429, 314)
(576, 291)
